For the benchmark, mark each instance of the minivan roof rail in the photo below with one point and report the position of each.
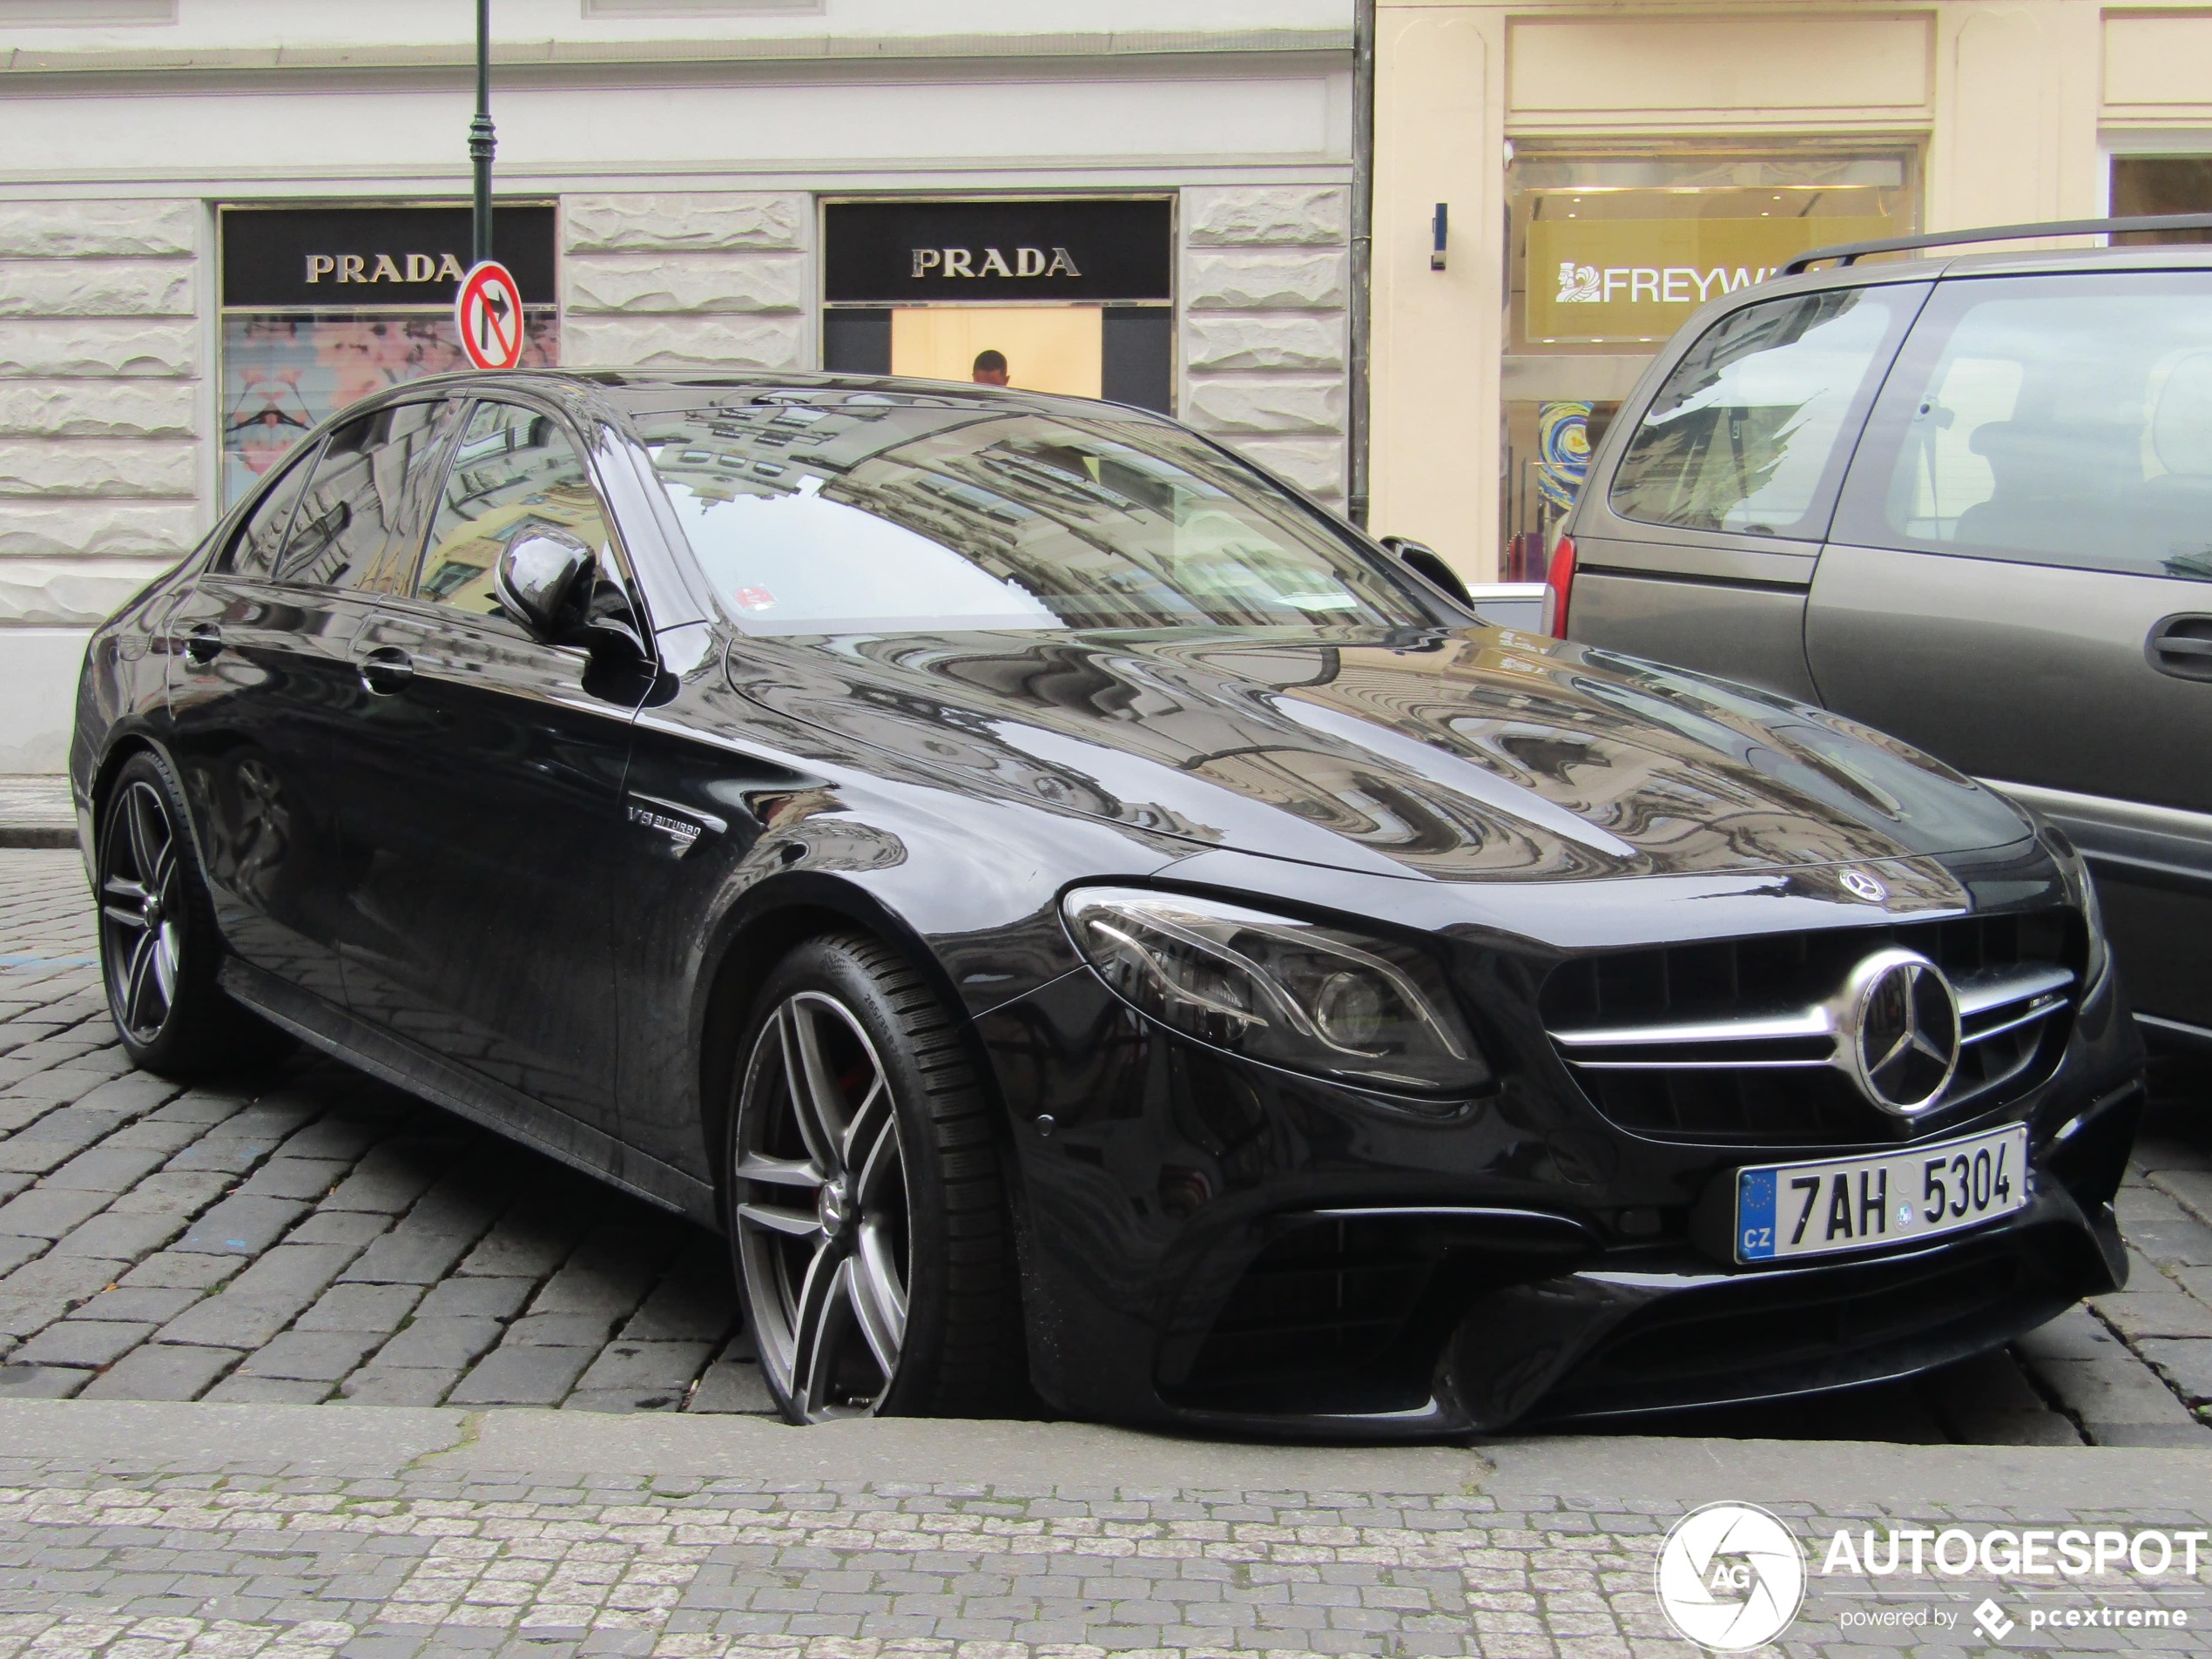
(1850, 253)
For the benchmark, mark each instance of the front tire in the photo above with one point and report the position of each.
(158, 947)
(866, 1214)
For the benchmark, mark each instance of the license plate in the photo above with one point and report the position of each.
(1819, 1208)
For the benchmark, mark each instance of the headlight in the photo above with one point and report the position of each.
(1274, 989)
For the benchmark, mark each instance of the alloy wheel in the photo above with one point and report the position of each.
(821, 1209)
(142, 911)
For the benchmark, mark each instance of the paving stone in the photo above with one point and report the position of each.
(139, 1304)
(696, 1302)
(245, 1226)
(162, 1371)
(382, 1386)
(609, 1273)
(529, 1242)
(389, 1179)
(88, 1343)
(321, 1356)
(731, 1386)
(16, 1251)
(287, 1176)
(2159, 1313)
(492, 1299)
(650, 1366)
(520, 1376)
(124, 1237)
(41, 1382)
(439, 1344)
(173, 1192)
(173, 1269)
(2122, 1404)
(338, 1136)
(106, 1168)
(2187, 1366)
(349, 1227)
(409, 1256)
(239, 1389)
(63, 1278)
(48, 1212)
(376, 1308)
(560, 1330)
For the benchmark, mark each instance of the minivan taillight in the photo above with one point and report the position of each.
(1558, 585)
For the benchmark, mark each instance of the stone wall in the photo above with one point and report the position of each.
(1266, 276)
(100, 403)
(720, 278)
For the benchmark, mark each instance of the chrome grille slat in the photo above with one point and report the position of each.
(1654, 1040)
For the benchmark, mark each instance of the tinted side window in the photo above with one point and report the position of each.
(253, 549)
(1750, 431)
(2063, 420)
(356, 527)
(513, 470)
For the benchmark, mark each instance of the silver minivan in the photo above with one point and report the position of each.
(1967, 500)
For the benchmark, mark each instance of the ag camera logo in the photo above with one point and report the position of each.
(1732, 1577)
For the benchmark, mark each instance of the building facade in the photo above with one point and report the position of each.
(221, 219)
(1607, 168)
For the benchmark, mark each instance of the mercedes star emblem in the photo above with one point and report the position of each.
(1899, 1030)
(1860, 885)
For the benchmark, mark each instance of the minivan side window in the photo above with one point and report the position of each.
(2048, 419)
(360, 523)
(1750, 431)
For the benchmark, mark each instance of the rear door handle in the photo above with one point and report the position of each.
(386, 670)
(202, 643)
(2182, 646)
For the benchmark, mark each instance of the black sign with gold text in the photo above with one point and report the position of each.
(921, 252)
(363, 258)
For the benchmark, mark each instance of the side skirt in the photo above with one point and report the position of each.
(409, 1066)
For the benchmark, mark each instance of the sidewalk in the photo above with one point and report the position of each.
(34, 811)
(180, 1529)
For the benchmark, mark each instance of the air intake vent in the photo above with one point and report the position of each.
(1737, 1042)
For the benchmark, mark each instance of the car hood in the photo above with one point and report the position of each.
(1487, 754)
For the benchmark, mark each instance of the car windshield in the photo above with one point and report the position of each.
(862, 513)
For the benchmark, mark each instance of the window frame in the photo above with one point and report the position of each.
(316, 446)
(623, 572)
(303, 455)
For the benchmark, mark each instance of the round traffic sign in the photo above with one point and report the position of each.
(488, 313)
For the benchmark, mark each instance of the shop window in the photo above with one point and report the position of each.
(322, 305)
(1073, 296)
(2146, 185)
(1610, 253)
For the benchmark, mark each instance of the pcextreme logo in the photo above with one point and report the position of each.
(1730, 1577)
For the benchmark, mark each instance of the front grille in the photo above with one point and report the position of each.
(1734, 1042)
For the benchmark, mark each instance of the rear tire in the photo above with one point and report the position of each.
(867, 1216)
(160, 951)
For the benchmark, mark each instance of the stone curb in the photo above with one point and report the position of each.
(122, 1437)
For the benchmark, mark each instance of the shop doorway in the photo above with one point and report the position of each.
(1044, 349)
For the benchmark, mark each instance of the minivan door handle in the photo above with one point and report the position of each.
(2182, 646)
(386, 670)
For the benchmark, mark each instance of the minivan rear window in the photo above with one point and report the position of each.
(2048, 419)
(1750, 431)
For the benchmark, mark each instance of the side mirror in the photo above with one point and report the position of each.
(539, 575)
(1427, 564)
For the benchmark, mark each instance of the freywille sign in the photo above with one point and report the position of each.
(372, 258)
(921, 252)
(1607, 280)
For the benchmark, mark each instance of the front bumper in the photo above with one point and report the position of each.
(1220, 1245)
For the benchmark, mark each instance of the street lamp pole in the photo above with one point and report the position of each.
(482, 142)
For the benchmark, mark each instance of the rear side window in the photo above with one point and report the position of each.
(253, 550)
(2059, 419)
(1750, 432)
(360, 523)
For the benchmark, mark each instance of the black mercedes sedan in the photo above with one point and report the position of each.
(1090, 927)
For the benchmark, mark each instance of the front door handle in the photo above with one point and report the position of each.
(202, 643)
(2182, 646)
(386, 669)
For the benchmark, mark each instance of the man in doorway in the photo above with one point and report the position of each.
(990, 368)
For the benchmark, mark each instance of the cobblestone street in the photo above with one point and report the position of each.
(312, 1235)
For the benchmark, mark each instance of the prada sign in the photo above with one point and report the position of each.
(359, 258)
(917, 253)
